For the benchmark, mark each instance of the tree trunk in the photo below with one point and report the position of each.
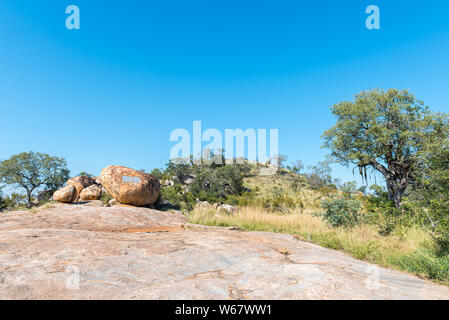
(395, 193)
(28, 199)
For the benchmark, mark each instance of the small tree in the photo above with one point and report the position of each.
(320, 175)
(387, 131)
(296, 166)
(32, 171)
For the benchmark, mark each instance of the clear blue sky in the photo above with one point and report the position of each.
(111, 92)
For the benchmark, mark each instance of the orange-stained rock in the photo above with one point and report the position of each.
(66, 194)
(129, 186)
(91, 193)
(80, 183)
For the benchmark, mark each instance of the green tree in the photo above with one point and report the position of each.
(179, 168)
(388, 131)
(33, 171)
(217, 183)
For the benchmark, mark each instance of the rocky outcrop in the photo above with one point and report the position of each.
(66, 194)
(80, 183)
(89, 252)
(129, 186)
(91, 193)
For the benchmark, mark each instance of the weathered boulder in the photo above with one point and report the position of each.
(80, 183)
(189, 179)
(129, 186)
(167, 183)
(91, 193)
(113, 203)
(227, 208)
(66, 194)
(202, 204)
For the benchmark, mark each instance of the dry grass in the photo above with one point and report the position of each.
(405, 249)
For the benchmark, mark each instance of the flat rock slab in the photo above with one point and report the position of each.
(88, 252)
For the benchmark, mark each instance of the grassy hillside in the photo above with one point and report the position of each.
(379, 236)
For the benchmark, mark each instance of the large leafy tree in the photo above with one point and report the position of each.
(33, 171)
(388, 131)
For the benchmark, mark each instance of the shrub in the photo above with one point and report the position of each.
(281, 203)
(178, 197)
(215, 185)
(106, 197)
(439, 223)
(15, 201)
(179, 168)
(341, 211)
(157, 173)
(2, 202)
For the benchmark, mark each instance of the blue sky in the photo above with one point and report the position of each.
(112, 92)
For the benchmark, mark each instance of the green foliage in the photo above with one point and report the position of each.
(349, 188)
(439, 222)
(388, 131)
(32, 171)
(15, 201)
(86, 174)
(433, 188)
(215, 185)
(280, 203)
(105, 197)
(341, 211)
(426, 263)
(179, 168)
(2, 202)
(157, 173)
(178, 197)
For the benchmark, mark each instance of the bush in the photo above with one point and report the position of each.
(439, 223)
(105, 197)
(157, 173)
(281, 203)
(215, 185)
(341, 211)
(2, 202)
(15, 201)
(178, 197)
(179, 168)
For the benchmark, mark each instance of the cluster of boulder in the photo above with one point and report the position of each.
(125, 185)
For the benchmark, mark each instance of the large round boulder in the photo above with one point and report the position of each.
(91, 193)
(66, 194)
(80, 183)
(129, 186)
